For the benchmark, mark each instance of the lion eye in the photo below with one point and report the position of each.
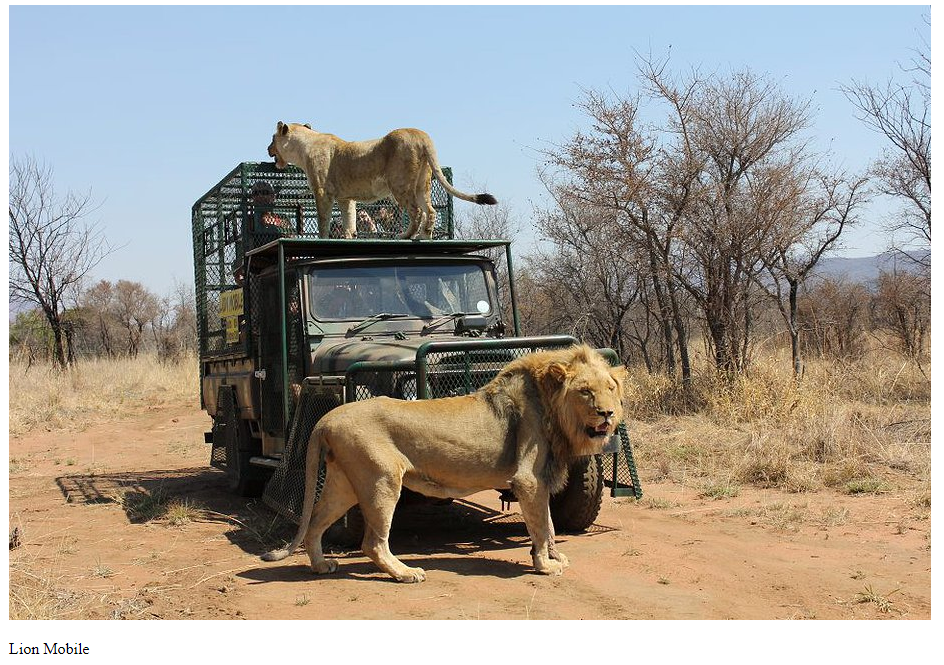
(586, 392)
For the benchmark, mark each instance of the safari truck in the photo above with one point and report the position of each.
(292, 325)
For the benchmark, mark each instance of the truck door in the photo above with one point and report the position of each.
(279, 364)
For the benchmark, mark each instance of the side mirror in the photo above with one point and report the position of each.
(470, 323)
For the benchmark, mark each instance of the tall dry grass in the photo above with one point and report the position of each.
(855, 426)
(96, 390)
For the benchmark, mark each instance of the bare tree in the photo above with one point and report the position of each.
(590, 284)
(834, 312)
(741, 127)
(51, 249)
(492, 223)
(618, 169)
(902, 309)
(534, 308)
(173, 325)
(98, 303)
(185, 316)
(684, 192)
(134, 307)
(901, 112)
(162, 329)
(812, 209)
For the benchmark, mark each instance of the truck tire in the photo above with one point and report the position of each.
(232, 433)
(347, 532)
(575, 507)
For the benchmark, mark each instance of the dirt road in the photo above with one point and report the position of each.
(127, 521)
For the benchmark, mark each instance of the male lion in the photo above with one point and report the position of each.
(399, 165)
(521, 431)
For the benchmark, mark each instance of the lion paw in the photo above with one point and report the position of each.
(561, 557)
(550, 567)
(412, 575)
(324, 567)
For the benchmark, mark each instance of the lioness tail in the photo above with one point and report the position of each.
(481, 199)
(312, 460)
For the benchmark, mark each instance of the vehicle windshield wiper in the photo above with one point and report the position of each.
(442, 319)
(370, 320)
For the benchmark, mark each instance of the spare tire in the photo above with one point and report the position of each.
(575, 507)
(347, 532)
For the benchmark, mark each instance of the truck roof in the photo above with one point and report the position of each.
(318, 248)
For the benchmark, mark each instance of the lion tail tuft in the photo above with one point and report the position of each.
(481, 199)
(275, 555)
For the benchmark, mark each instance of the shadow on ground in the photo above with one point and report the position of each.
(420, 530)
(366, 571)
(149, 496)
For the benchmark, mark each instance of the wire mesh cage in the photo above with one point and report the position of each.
(255, 204)
(285, 491)
(619, 468)
(223, 433)
(619, 465)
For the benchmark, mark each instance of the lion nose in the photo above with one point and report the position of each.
(605, 414)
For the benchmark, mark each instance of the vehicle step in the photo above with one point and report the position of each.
(267, 462)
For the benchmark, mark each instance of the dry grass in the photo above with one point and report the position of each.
(860, 427)
(882, 602)
(142, 506)
(37, 591)
(95, 390)
(183, 511)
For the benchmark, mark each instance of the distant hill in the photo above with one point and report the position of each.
(864, 269)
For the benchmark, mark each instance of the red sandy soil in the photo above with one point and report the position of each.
(674, 555)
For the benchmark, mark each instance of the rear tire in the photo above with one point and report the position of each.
(232, 433)
(575, 507)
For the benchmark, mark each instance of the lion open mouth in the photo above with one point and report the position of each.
(594, 432)
(279, 164)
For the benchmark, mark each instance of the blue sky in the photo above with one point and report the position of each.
(149, 107)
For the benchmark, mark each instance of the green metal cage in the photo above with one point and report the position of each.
(227, 223)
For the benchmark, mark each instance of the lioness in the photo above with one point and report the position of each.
(399, 165)
(521, 431)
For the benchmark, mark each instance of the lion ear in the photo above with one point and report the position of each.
(619, 373)
(558, 372)
(307, 125)
(282, 128)
(583, 354)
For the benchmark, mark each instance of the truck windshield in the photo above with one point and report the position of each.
(345, 293)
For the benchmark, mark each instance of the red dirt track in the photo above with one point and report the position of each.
(678, 557)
